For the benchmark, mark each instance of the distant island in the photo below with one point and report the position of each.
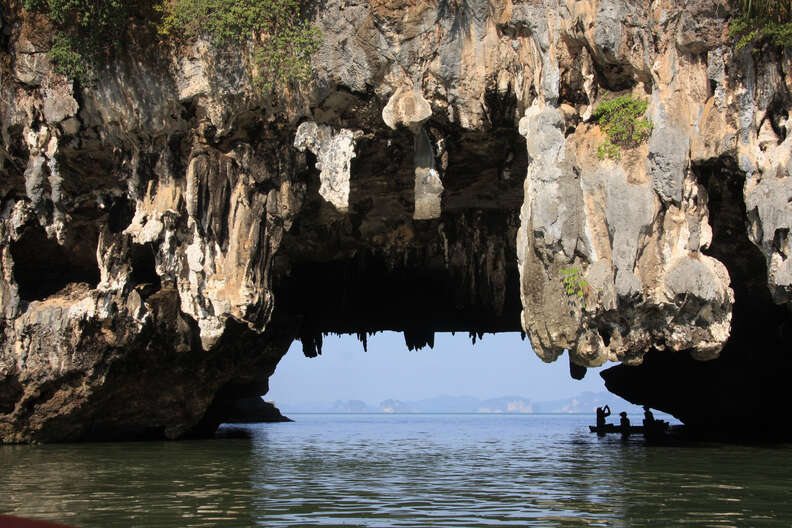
(583, 403)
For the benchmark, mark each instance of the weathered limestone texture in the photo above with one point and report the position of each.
(428, 186)
(406, 108)
(167, 230)
(409, 109)
(334, 154)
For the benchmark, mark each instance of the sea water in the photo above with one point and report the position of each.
(402, 470)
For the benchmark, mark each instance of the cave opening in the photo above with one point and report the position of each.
(375, 268)
(144, 266)
(43, 267)
(498, 373)
(120, 216)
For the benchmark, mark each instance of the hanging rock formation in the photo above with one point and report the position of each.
(334, 152)
(167, 231)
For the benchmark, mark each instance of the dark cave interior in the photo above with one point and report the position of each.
(43, 267)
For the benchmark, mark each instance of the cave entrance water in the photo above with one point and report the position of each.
(499, 373)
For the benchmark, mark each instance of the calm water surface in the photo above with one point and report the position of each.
(401, 470)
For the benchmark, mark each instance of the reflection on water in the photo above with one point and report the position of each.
(401, 470)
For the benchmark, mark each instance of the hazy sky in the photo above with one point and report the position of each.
(498, 365)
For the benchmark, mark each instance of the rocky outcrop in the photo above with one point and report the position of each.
(634, 231)
(167, 231)
(251, 410)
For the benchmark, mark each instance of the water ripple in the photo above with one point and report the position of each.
(401, 470)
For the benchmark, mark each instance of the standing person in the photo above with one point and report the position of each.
(602, 413)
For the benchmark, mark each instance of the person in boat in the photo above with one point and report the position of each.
(602, 413)
(624, 423)
(649, 419)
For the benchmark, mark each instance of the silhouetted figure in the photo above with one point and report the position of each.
(602, 413)
(624, 423)
(653, 428)
(649, 419)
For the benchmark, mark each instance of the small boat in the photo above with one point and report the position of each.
(659, 429)
(615, 428)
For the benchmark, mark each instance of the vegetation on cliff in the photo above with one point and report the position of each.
(283, 41)
(84, 31)
(621, 119)
(575, 285)
(762, 21)
(87, 30)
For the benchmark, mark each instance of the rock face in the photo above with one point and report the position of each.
(167, 231)
(250, 410)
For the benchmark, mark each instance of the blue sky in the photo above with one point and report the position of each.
(498, 365)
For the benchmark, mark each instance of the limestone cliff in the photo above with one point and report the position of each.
(168, 230)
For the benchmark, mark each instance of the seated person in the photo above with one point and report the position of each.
(649, 420)
(624, 423)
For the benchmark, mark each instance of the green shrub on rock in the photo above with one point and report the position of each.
(283, 41)
(84, 31)
(575, 285)
(762, 20)
(622, 121)
(68, 60)
(89, 30)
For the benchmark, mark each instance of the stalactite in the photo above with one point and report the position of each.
(576, 371)
(418, 338)
(475, 335)
(311, 343)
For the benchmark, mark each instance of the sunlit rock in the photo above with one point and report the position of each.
(428, 187)
(408, 108)
(334, 152)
